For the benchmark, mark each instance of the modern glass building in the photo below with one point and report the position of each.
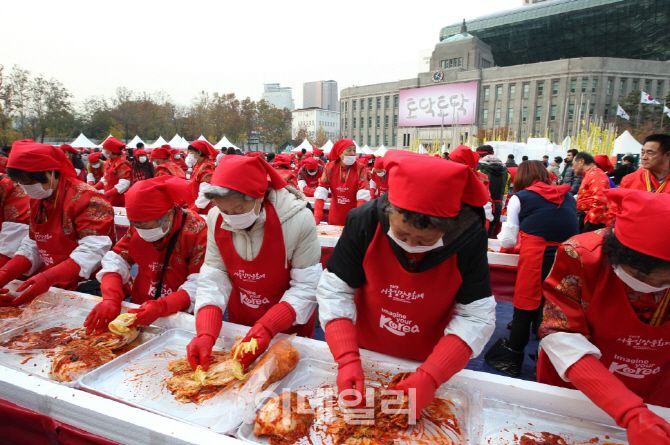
(565, 29)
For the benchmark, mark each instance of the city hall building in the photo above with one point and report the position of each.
(533, 69)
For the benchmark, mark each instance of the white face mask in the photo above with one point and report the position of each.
(636, 284)
(242, 221)
(381, 174)
(413, 249)
(142, 159)
(154, 163)
(349, 160)
(190, 159)
(151, 235)
(106, 153)
(311, 172)
(35, 191)
(177, 156)
(96, 165)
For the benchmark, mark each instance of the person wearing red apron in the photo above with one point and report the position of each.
(262, 260)
(540, 217)
(283, 166)
(14, 217)
(309, 175)
(379, 181)
(607, 317)
(158, 227)
(201, 156)
(118, 173)
(71, 227)
(409, 277)
(163, 163)
(70, 153)
(95, 168)
(347, 181)
(177, 157)
(142, 169)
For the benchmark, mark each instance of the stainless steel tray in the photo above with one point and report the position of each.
(139, 378)
(38, 362)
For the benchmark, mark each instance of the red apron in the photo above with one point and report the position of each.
(150, 263)
(117, 200)
(344, 195)
(260, 283)
(195, 173)
(97, 173)
(382, 184)
(82, 175)
(636, 353)
(401, 313)
(528, 287)
(53, 245)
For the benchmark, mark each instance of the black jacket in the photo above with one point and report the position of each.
(468, 240)
(618, 173)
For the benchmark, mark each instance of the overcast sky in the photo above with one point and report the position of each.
(186, 47)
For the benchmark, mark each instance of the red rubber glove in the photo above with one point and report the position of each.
(611, 395)
(208, 324)
(343, 343)
(279, 318)
(109, 308)
(99, 186)
(109, 194)
(308, 191)
(449, 356)
(14, 268)
(4, 259)
(360, 202)
(40, 283)
(152, 310)
(318, 210)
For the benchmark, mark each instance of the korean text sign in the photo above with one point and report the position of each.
(426, 106)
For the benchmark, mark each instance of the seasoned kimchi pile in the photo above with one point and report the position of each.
(286, 418)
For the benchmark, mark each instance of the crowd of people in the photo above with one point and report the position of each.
(409, 277)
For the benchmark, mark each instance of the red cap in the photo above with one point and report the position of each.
(282, 159)
(379, 163)
(339, 148)
(113, 144)
(256, 154)
(246, 175)
(161, 152)
(33, 157)
(311, 164)
(205, 147)
(411, 174)
(140, 152)
(94, 157)
(317, 151)
(604, 163)
(67, 148)
(151, 199)
(464, 155)
(308, 155)
(637, 208)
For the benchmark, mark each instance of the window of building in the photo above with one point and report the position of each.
(386, 101)
(610, 83)
(538, 113)
(485, 117)
(571, 111)
(377, 140)
(510, 115)
(573, 86)
(486, 94)
(497, 118)
(647, 86)
(362, 123)
(607, 110)
(553, 113)
(585, 84)
(362, 104)
(592, 110)
(353, 122)
(540, 89)
(554, 87)
(370, 122)
(498, 92)
(594, 85)
(386, 139)
(386, 121)
(512, 90)
(369, 139)
(636, 83)
(524, 114)
(395, 101)
(379, 103)
(622, 87)
(378, 119)
(346, 123)
(551, 135)
(395, 140)
(353, 107)
(346, 106)
(582, 112)
(659, 88)
(460, 61)
(526, 90)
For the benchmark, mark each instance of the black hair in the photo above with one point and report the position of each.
(192, 148)
(77, 161)
(230, 151)
(558, 159)
(23, 176)
(510, 156)
(139, 145)
(573, 151)
(545, 156)
(524, 158)
(7, 148)
(304, 150)
(618, 254)
(588, 159)
(271, 157)
(238, 152)
(662, 139)
(419, 220)
(628, 158)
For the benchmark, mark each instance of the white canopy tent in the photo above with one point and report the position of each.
(422, 150)
(203, 138)
(327, 146)
(367, 150)
(178, 142)
(625, 143)
(381, 151)
(133, 143)
(100, 145)
(158, 143)
(306, 145)
(224, 142)
(83, 142)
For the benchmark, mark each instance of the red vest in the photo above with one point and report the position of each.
(112, 180)
(150, 263)
(344, 195)
(382, 183)
(401, 313)
(528, 287)
(260, 283)
(638, 354)
(96, 172)
(53, 245)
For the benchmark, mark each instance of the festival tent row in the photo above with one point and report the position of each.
(224, 142)
(82, 142)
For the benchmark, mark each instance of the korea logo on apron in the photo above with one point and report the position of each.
(251, 299)
(396, 323)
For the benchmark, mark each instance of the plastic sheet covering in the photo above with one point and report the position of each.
(316, 380)
(140, 379)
